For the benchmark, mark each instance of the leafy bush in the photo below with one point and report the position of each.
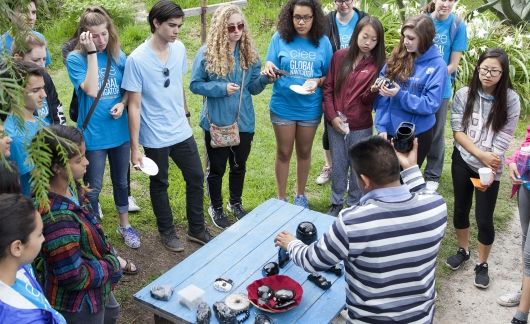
(484, 31)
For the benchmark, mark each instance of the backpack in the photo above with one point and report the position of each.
(452, 34)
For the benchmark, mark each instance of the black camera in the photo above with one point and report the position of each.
(404, 139)
(380, 81)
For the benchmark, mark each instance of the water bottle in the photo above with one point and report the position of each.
(523, 163)
(344, 123)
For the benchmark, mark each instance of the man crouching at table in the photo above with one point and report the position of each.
(389, 241)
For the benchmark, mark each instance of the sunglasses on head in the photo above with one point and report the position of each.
(165, 71)
(239, 27)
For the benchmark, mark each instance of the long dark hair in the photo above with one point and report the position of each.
(286, 26)
(378, 52)
(67, 137)
(499, 110)
(10, 180)
(17, 216)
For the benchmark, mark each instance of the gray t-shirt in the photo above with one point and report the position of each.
(484, 137)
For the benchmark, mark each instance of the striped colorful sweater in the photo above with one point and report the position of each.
(389, 242)
(79, 264)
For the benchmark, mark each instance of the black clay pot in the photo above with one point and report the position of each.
(306, 232)
(270, 269)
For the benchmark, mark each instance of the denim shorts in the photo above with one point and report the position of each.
(277, 120)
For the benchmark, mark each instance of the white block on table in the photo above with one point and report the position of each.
(190, 296)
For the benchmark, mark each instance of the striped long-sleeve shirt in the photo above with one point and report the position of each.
(79, 264)
(389, 242)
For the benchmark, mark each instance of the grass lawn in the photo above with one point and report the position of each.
(260, 181)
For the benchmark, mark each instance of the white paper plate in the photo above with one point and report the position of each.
(299, 89)
(150, 167)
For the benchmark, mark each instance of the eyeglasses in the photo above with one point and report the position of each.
(165, 71)
(339, 2)
(232, 29)
(306, 19)
(493, 73)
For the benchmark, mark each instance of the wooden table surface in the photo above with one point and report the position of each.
(239, 253)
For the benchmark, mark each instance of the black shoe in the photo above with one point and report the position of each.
(334, 210)
(482, 280)
(218, 216)
(201, 237)
(171, 242)
(236, 209)
(517, 321)
(455, 261)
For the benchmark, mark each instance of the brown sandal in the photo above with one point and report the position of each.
(130, 268)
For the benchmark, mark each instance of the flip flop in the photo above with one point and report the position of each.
(128, 269)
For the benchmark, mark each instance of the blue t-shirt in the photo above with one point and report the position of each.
(303, 61)
(21, 136)
(103, 131)
(346, 30)
(446, 45)
(163, 119)
(6, 45)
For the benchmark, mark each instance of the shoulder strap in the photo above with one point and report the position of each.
(454, 27)
(241, 90)
(100, 92)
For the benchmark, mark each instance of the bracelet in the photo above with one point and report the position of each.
(188, 114)
(91, 52)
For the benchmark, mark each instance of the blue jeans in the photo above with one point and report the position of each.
(119, 165)
(186, 156)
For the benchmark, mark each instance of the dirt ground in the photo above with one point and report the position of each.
(459, 301)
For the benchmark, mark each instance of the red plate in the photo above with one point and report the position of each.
(276, 282)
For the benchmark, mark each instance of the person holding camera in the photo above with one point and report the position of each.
(388, 241)
(227, 73)
(347, 104)
(484, 116)
(417, 75)
(301, 48)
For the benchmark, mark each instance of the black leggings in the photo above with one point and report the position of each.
(325, 140)
(236, 157)
(463, 193)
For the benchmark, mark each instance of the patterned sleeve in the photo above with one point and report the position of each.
(457, 110)
(73, 269)
(503, 138)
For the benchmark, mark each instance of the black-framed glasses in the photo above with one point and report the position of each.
(493, 73)
(305, 19)
(339, 2)
(232, 29)
(165, 71)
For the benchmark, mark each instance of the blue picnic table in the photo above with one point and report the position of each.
(239, 253)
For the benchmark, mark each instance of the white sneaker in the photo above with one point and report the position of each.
(133, 206)
(324, 176)
(509, 299)
(432, 185)
(100, 211)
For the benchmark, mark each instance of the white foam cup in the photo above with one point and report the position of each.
(486, 176)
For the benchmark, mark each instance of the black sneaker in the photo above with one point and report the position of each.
(455, 261)
(171, 242)
(236, 209)
(334, 210)
(218, 216)
(201, 237)
(518, 321)
(482, 280)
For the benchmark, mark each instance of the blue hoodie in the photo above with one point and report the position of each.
(222, 109)
(419, 97)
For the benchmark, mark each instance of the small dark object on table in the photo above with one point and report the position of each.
(319, 280)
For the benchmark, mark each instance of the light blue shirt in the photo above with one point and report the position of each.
(103, 131)
(163, 119)
(223, 109)
(446, 45)
(346, 30)
(302, 60)
(6, 45)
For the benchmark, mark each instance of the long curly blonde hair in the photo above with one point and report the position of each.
(219, 58)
